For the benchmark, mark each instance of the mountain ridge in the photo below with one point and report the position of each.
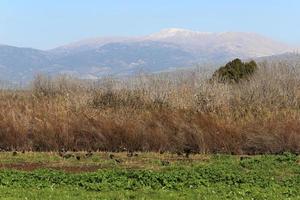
(168, 49)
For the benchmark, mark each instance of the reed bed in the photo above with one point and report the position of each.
(175, 112)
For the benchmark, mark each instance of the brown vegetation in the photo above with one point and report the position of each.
(167, 112)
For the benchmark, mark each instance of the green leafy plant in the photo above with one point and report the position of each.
(235, 71)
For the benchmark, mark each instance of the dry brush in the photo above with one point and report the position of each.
(174, 112)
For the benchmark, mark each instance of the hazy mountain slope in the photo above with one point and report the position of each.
(20, 63)
(288, 58)
(89, 44)
(125, 58)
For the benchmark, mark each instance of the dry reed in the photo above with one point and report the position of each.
(174, 112)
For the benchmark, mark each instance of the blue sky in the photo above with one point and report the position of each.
(46, 24)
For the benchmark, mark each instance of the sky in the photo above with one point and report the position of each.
(46, 24)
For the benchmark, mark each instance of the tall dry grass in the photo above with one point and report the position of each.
(175, 112)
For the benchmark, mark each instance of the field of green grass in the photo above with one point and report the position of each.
(148, 176)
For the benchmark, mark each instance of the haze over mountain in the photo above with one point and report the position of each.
(166, 50)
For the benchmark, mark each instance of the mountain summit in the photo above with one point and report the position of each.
(238, 44)
(176, 32)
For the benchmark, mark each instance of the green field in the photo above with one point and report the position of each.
(148, 176)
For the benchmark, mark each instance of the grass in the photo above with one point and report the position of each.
(202, 193)
(145, 177)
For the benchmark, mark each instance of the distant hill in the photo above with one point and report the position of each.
(162, 51)
(290, 58)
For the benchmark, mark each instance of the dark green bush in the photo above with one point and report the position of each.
(235, 71)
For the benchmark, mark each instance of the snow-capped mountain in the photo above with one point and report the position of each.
(167, 49)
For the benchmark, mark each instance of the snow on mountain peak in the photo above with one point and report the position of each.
(172, 32)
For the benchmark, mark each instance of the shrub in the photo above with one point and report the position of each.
(235, 71)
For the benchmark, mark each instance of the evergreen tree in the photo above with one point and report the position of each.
(234, 71)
